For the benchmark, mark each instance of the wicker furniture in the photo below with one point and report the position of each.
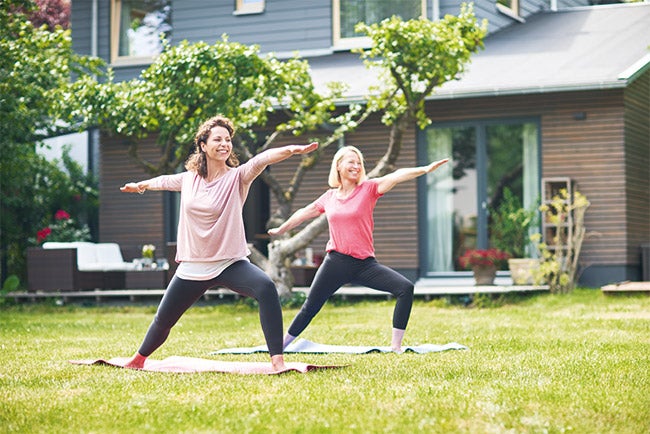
(75, 266)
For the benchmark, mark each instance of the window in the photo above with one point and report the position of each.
(347, 13)
(137, 27)
(487, 157)
(509, 7)
(249, 7)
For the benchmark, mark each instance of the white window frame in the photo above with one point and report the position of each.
(340, 43)
(243, 7)
(116, 59)
(511, 11)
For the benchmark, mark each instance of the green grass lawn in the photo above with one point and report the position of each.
(575, 363)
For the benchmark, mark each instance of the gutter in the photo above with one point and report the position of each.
(637, 69)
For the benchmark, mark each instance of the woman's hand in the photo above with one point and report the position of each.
(305, 149)
(433, 166)
(275, 231)
(132, 187)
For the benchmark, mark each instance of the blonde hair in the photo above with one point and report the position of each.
(197, 161)
(334, 179)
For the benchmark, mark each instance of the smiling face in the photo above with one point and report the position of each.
(350, 167)
(347, 165)
(218, 145)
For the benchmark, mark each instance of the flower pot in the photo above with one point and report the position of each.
(484, 274)
(523, 270)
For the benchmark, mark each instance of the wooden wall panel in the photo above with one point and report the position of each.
(128, 219)
(637, 165)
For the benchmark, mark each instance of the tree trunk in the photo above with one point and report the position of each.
(279, 271)
(281, 251)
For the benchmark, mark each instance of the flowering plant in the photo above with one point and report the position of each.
(63, 229)
(148, 251)
(473, 257)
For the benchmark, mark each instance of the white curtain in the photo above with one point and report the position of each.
(440, 205)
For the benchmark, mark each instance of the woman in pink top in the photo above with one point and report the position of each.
(349, 207)
(211, 243)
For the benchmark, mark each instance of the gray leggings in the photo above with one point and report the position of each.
(241, 277)
(338, 269)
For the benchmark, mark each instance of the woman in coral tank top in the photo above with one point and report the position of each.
(349, 207)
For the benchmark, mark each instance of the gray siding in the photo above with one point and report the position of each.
(284, 26)
(80, 24)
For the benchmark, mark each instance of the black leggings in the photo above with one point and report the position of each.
(241, 277)
(337, 270)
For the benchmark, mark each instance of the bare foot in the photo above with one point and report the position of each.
(397, 350)
(136, 362)
(278, 363)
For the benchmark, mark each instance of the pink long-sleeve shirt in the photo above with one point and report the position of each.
(351, 221)
(210, 224)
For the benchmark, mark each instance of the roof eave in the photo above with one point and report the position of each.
(530, 90)
(618, 84)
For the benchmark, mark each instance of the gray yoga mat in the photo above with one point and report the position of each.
(305, 346)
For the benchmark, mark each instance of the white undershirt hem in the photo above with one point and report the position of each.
(204, 270)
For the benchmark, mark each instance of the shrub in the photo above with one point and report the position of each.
(560, 264)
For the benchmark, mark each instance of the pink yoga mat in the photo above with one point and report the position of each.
(181, 364)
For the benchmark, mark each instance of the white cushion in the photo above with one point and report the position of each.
(95, 256)
(86, 256)
(59, 245)
(108, 252)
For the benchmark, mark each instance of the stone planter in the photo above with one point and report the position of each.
(484, 274)
(523, 270)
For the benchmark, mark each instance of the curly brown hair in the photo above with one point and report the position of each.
(197, 161)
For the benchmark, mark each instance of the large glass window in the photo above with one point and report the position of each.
(486, 159)
(137, 29)
(347, 13)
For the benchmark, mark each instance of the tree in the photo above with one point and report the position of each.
(36, 66)
(414, 58)
(52, 13)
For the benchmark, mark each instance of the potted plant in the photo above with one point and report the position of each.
(148, 254)
(510, 232)
(484, 263)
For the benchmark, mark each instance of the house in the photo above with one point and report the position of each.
(562, 90)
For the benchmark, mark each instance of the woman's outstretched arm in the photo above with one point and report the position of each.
(135, 187)
(387, 182)
(162, 182)
(306, 213)
(275, 155)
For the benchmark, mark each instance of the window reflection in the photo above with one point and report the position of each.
(143, 24)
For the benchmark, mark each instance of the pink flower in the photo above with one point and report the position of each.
(482, 257)
(42, 234)
(61, 215)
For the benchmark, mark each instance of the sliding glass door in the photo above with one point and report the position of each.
(486, 159)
